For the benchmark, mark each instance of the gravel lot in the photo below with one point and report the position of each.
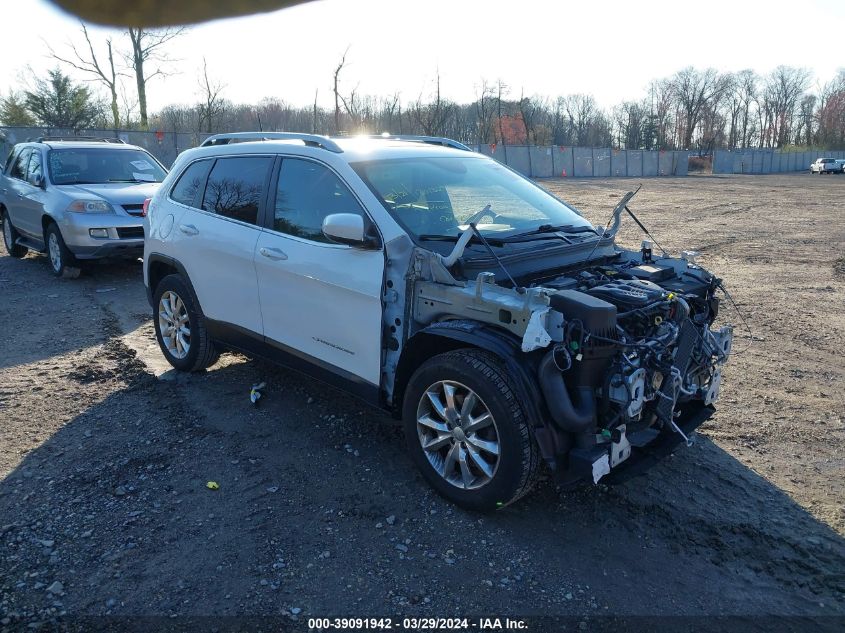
(105, 456)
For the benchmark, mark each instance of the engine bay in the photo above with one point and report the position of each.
(637, 335)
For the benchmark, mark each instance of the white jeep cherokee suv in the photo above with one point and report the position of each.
(500, 325)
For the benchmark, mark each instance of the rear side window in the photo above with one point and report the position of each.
(307, 193)
(235, 187)
(189, 184)
(21, 164)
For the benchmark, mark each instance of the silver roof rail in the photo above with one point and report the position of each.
(78, 139)
(431, 140)
(313, 140)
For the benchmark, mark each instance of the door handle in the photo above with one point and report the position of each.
(272, 253)
(188, 229)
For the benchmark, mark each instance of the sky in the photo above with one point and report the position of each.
(611, 49)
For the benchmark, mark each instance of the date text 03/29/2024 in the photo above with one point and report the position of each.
(417, 624)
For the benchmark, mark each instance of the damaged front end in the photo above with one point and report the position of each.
(622, 350)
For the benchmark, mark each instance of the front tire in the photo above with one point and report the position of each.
(62, 261)
(180, 326)
(468, 433)
(10, 236)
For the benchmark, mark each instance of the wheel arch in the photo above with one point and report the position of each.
(447, 336)
(47, 220)
(158, 267)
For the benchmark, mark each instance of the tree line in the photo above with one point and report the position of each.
(696, 109)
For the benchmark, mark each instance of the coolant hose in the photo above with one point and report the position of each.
(575, 418)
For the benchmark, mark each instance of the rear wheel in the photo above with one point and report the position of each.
(467, 431)
(62, 261)
(180, 326)
(10, 236)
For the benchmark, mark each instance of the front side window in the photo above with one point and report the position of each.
(95, 165)
(307, 192)
(235, 187)
(34, 165)
(192, 179)
(21, 165)
(440, 196)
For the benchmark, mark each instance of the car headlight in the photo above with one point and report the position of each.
(90, 206)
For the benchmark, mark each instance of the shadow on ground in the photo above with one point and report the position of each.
(319, 510)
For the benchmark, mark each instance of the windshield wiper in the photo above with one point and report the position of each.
(454, 238)
(546, 229)
(130, 180)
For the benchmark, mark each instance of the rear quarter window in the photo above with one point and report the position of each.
(190, 184)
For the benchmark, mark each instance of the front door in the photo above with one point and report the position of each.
(320, 301)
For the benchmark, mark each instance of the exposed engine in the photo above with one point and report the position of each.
(636, 346)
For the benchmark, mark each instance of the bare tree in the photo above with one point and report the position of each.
(103, 72)
(630, 122)
(391, 105)
(336, 90)
(502, 90)
(695, 90)
(831, 113)
(532, 110)
(484, 112)
(212, 105)
(432, 118)
(784, 87)
(582, 111)
(148, 46)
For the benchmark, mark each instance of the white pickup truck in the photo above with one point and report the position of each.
(825, 166)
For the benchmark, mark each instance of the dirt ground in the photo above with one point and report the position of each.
(105, 456)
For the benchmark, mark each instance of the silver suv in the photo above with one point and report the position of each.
(76, 199)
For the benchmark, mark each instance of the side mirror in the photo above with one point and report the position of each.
(36, 180)
(349, 229)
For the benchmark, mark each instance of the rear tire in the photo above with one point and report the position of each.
(468, 433)
(180, 326)
(10, 235)
(62, 261)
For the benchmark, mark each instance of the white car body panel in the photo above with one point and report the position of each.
(323, 300)
(219, 260)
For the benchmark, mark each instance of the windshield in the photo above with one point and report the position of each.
(441, 196)
(97, 166)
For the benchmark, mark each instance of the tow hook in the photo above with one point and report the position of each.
(689, 440)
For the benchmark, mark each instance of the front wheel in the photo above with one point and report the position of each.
(467, 432)
(62, 261)
(10, 236)
(180, 327)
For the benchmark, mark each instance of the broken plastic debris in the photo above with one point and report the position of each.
(255, 393)
(601, 467)
(212, 485)
(536, 335)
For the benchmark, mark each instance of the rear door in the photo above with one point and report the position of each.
(17, 190)
(320, 301)
(215, 238)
